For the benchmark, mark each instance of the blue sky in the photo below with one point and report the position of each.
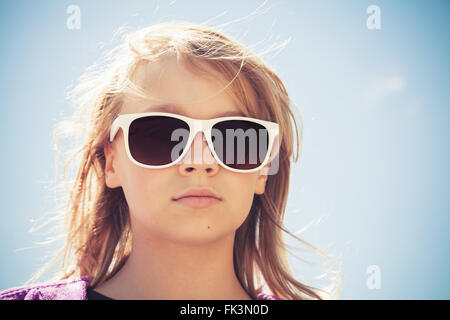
(372, 180)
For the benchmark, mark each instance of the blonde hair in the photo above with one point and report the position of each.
(97, 229)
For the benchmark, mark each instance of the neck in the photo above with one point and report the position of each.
(159, 269)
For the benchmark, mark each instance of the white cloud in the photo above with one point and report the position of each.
(383, 87)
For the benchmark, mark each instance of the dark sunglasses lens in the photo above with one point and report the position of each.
(240, 144)
(157, 140)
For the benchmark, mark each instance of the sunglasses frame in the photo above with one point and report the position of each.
(124, 121)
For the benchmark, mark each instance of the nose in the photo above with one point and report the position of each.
(199, 157)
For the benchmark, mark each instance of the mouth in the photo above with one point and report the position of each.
(198, 201)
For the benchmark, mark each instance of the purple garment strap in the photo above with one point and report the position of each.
(267, 296)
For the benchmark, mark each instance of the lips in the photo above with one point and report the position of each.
(198, 198)
(197, 202)
(198, 192)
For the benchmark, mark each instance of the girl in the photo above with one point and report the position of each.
(145, 221)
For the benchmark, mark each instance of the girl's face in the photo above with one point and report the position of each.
(150, 192)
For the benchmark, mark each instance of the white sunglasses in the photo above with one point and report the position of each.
(152, 139)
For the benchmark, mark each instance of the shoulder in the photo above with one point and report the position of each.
(69, 289)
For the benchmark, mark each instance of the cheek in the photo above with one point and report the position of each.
(145, 189)
(241, 193)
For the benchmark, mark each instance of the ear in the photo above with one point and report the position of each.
(260, 186)
(111, 174)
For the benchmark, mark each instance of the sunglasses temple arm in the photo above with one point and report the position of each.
(275, 144)
(114, 128)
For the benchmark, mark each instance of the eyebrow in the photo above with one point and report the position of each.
(175, 109)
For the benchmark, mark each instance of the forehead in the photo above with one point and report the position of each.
(170, 78)
(172, 108)
(173, 87)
